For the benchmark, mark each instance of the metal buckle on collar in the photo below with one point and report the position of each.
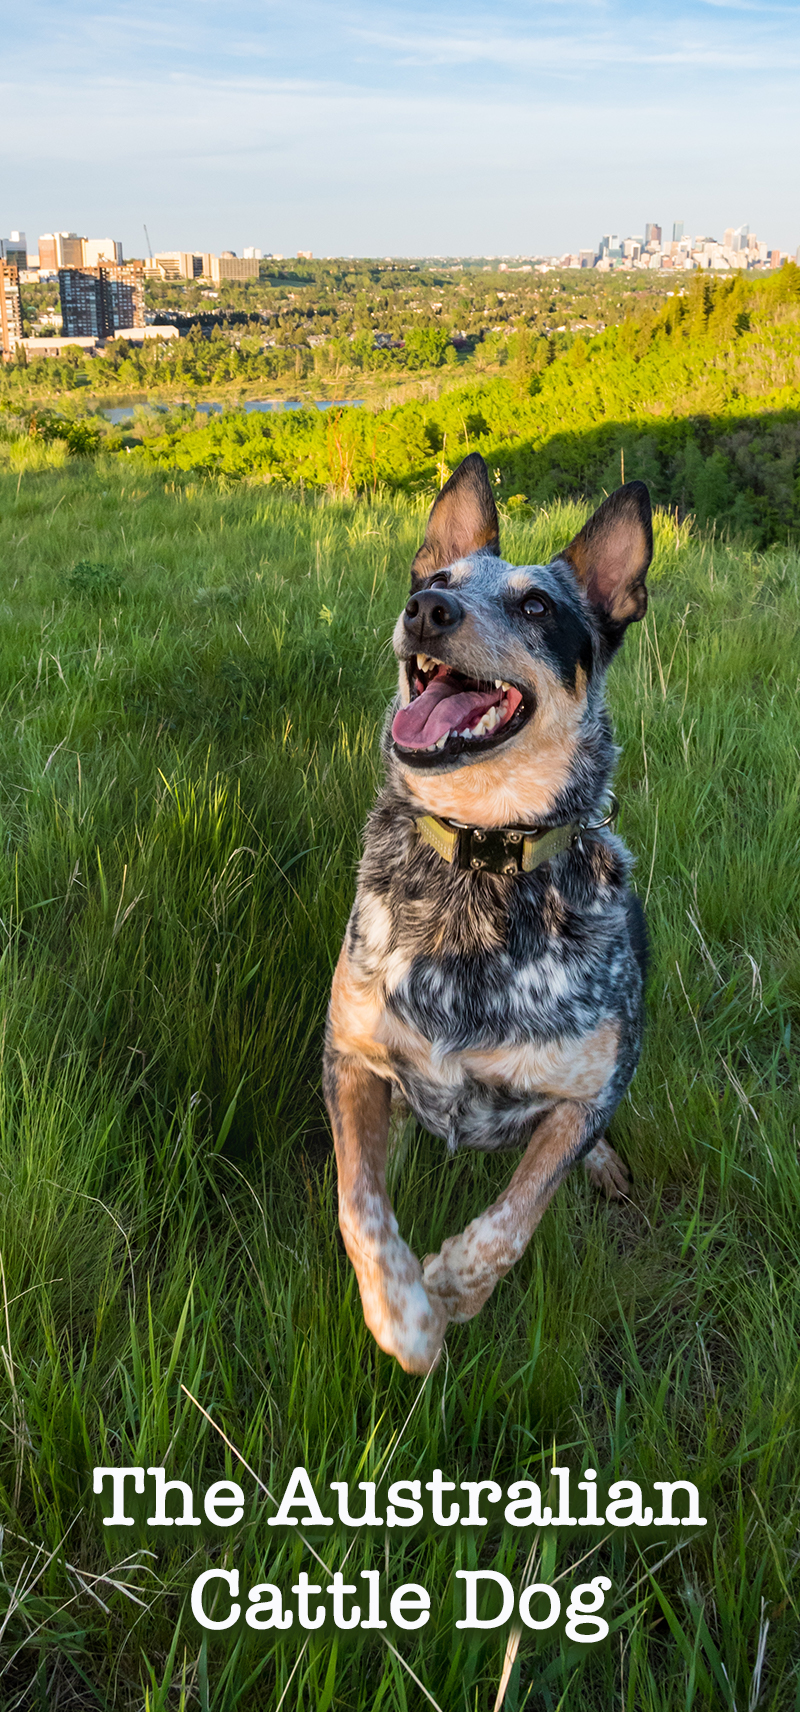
(495, 850)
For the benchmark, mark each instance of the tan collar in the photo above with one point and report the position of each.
(504, 849)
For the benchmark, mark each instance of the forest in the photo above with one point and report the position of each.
(317, 322)
(695, 392)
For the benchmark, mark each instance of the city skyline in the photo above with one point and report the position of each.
(393, 131)
(68, 248)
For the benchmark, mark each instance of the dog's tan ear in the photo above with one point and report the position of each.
(463, 521)
(610, 557)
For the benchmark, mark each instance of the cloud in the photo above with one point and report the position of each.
(383, 132)
(568, 55)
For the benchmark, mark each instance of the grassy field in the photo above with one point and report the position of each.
(193, 682)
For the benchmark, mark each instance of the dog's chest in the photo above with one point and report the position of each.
(483, 1034)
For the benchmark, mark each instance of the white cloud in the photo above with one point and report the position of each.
(568, 55)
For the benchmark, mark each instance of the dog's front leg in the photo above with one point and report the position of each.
(397, 1309)
(464, 1272)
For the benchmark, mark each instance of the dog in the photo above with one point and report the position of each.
(493, 968)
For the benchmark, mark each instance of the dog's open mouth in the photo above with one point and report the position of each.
(450, 713)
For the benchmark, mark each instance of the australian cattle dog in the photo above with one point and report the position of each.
(492, 971)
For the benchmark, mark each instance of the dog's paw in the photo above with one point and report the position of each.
(411, 1327)
(403, 1319)
(607, 1171)
(459, 1278)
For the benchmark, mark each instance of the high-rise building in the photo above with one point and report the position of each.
(229, 266)
(97, 252)
(168, 264)
(652, 233)
(60, 250)
(251, 255)
(48, 253)
(13, 250)
(10, 310)
(677, 231)
(96, 302)
(180, 264)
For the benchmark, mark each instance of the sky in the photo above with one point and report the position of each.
(377, 129)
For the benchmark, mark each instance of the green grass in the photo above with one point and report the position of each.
(193, 683)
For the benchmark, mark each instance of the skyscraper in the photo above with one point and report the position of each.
(96, 302)
(60, 250)
(10, 310)
(652, 234)
(97, 252)
(677, 231)
(13, 250)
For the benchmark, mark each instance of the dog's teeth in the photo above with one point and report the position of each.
(498, 684)
(442, 741)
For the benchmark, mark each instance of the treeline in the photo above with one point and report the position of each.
(333, 328)
(700, 398)
(698, 395)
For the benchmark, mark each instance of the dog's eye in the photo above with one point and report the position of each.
(533, 606)
(439, 581)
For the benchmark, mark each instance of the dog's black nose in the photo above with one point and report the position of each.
(431, 612)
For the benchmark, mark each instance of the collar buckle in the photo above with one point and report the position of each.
(491, 849)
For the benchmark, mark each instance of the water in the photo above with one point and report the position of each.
(124, 412)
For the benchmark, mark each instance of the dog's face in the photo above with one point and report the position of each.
(499, 663)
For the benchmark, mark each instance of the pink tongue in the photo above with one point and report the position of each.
(438, 710)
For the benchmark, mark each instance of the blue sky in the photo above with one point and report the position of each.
(372, 129)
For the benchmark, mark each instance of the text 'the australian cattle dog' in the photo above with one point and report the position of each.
(492, 971)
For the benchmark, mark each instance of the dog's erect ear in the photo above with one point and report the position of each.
(610, 557)
(463, 521)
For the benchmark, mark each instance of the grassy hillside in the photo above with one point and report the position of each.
(194, 678)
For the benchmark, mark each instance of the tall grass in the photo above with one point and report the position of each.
(193, 683)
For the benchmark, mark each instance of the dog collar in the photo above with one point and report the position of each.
(504, 849)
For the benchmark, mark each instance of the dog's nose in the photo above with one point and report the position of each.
(431, 612)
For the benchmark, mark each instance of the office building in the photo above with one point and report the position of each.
(48, 253)
(60, 250)
(10, 310)
(13, 250)
(98, 252)
(95, 302)
(229, 266)
(251, 255)
(180, 264)
(652, 234)
(677, 231)
(167, 264)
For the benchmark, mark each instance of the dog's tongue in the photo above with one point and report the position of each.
(442, 707)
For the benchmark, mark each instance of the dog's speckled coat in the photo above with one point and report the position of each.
(505, 1010)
